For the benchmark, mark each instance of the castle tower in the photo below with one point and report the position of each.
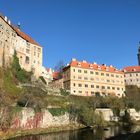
(139, 54)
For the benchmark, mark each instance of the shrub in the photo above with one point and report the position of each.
(63, 92)
(20, 74)
(57, 111)
(42, 79)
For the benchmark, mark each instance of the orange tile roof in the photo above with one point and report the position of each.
(55, 75)
(94, 66)
(25, 36)
(132, 69)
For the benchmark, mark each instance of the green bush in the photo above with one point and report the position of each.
(20, 74)
(42, 79)
(63, 92)
(57, 111)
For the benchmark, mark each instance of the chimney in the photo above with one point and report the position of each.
(73, 59)
(18, 25)
(5, 18)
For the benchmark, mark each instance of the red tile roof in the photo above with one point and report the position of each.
(132, 69)
(25, 36)
(55, 75)
(94, 66)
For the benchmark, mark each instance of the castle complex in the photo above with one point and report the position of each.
(79, 77)
(28, 51)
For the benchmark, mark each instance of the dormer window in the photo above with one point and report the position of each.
(99, 68)
(79, 64)
(107, 69)
(91, 66)
(134, 69)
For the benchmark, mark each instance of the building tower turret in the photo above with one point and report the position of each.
(138, 54)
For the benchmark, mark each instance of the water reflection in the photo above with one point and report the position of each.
(84, 134)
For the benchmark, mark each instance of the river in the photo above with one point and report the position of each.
(108, 133)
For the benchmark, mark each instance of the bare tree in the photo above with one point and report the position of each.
(59, 68)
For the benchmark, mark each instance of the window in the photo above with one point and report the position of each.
(136, 74)
(108, 87)
(108, 80)
(92, 79)
(80, 91)
(118, 88)
(97, 73)
(97, 86)
(92, 92)
(103, 87)
(7, 31)
(27, 60)
(79, 71)
(79, 85)
(112, 75)
(79, 77)
(85, 78)
(91, 72)
(113, 88)
(27, 51)
(73, 70)
(38, 54)
(74, 84)
(92, 86)
(1, 26)
(117, 76)
(86, 85)
(107, 74)
(85, 71)
(102, 74)
(113, 81)
(39, 50)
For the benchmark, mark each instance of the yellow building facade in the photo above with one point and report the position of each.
(28, 51)
(86, 79)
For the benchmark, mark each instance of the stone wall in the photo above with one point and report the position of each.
(28, 119)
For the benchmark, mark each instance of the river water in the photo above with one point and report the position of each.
(88, 134)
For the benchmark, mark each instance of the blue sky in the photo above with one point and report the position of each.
(104, 31)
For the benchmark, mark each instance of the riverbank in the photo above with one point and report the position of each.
(36, 131)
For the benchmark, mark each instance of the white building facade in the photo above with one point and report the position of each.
(132, 75)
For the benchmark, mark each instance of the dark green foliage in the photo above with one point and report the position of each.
(63, 92)
(126, 118)
(59, 68)
(33, 97)
(20, 74)
(57, 111)
(42, 79)
(133, 97)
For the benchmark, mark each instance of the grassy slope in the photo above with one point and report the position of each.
(9, 92)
